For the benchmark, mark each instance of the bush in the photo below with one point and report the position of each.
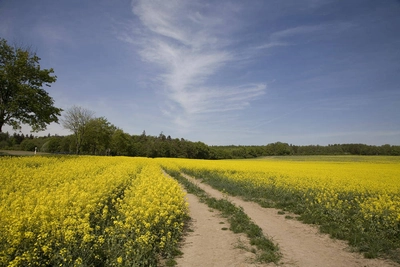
(28, 145)
(52, 146)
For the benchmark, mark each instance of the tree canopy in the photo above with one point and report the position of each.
(22, 98)
(103, 138)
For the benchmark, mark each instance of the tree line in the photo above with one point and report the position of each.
(284, 149)
(115, 142)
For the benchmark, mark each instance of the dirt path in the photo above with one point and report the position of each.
(207, 244)
(21, 153)
(300, 244)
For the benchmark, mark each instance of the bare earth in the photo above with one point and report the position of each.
(300, 244)
(209, 244)
(21, 153)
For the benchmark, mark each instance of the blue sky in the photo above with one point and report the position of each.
(222, 72)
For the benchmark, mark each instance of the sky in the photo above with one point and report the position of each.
(303, 72)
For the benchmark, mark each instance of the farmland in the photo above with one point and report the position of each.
(87, 211)
(352, 198)
(119, 211)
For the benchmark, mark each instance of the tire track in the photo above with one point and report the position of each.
(300, 244)
(207, 244)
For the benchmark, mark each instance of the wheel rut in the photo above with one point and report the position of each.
(300, 244)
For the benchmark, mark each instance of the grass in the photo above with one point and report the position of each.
(20, 153)
(239, 222)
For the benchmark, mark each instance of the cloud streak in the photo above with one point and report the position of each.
(281, 38)
(185, 43)
(291, 36)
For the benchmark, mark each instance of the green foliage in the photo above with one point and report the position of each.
(284, 149)
(53, 145)
(28, 145)
(121, 143)
(98, 136)
(22, 98)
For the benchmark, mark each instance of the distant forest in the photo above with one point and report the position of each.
(119, 143)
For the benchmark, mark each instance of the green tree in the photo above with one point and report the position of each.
(98, 136)
(28, 145)
(68, 144)
(278, 149)
(121, 143)
(22, 98)
(52, 145)
(76, 120)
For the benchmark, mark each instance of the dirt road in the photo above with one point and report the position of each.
(300, 244)
(209, 242)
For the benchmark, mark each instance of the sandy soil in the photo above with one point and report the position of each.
(208, 244)
(300, 244)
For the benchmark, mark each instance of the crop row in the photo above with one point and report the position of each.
(87, 211)
(358, 201)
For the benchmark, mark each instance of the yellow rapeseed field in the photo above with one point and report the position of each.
(354, 198)
(119, 211)
(80, 211)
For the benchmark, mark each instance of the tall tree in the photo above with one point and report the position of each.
(98, 136)
(121, 143)
(76, 119)
(22, 98)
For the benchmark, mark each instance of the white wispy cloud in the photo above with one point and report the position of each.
(282, 38)
(300, 30)
(186, 43)
(305, 33)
